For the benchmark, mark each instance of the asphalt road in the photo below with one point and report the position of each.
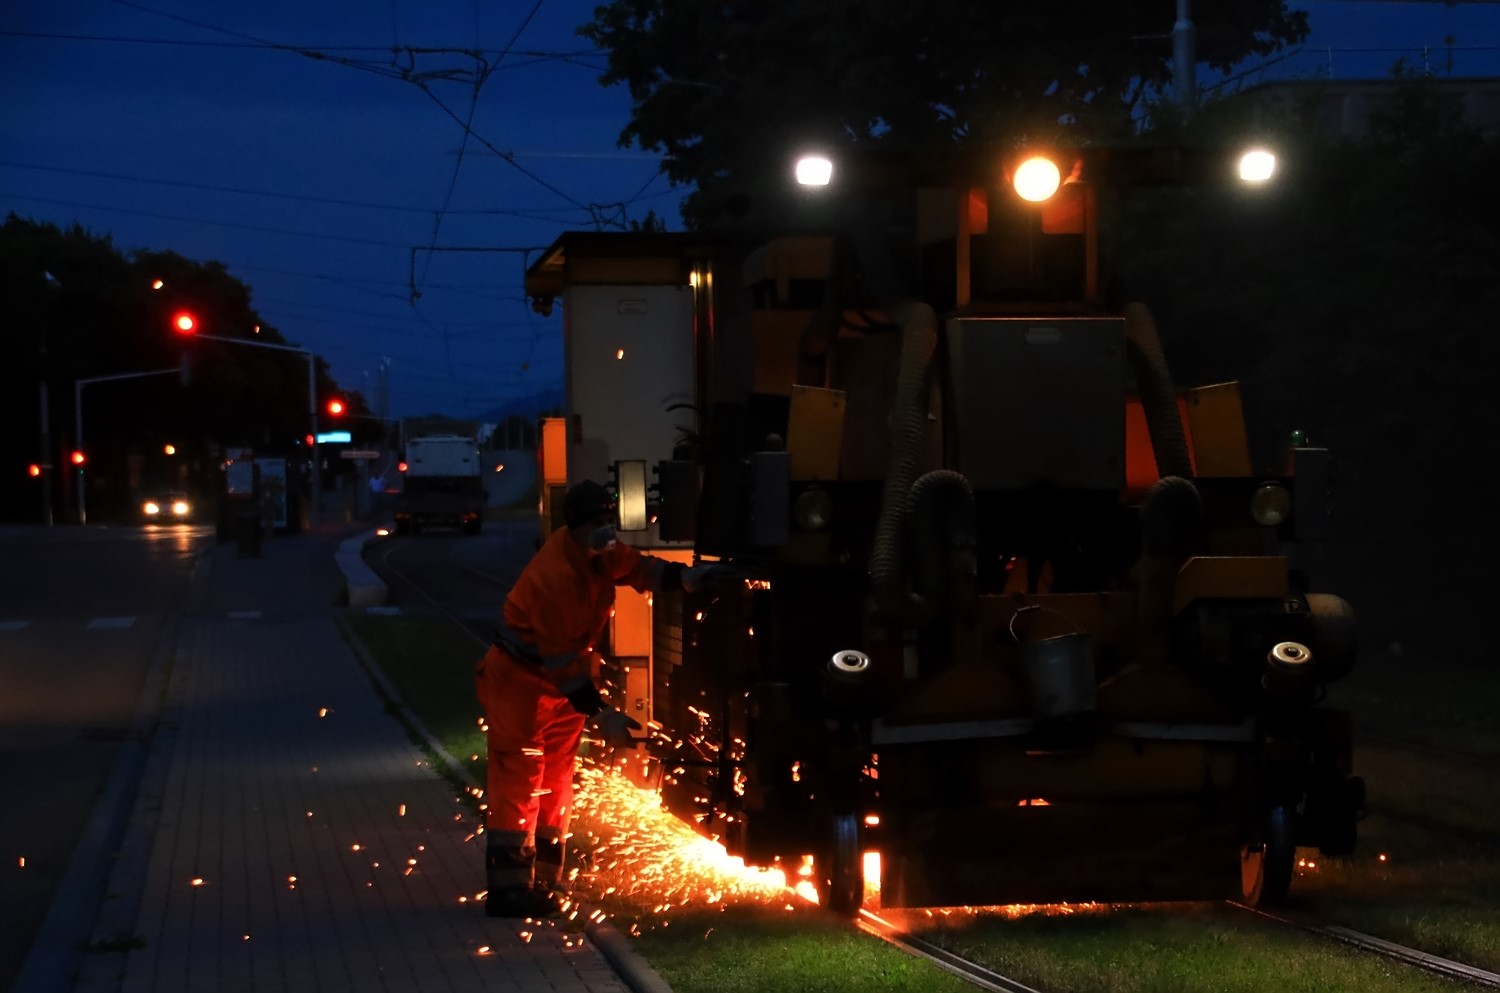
(83, 612)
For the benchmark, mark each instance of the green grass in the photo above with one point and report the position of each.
(431, 664)
(1402, 697)
(757, 950)
(1169, 950)
(1433, 892)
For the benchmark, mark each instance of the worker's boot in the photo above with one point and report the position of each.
(549, 869)
(508, 873)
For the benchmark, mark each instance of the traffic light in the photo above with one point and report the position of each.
(33, 470)
(309, 439)
(183, 322)
(336, 407)
(77, 458)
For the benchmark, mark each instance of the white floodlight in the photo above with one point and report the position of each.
(1257, 165)
(814, 170)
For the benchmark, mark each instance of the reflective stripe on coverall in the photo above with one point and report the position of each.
(556, 615)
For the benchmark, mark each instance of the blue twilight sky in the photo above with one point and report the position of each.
(314, 180)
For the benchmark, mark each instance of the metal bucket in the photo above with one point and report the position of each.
(1059, 675)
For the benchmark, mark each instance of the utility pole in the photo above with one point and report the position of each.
(1185, 59)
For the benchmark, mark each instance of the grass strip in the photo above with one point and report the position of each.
(1179, 949)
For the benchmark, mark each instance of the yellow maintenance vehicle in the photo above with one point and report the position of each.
(1007, 605)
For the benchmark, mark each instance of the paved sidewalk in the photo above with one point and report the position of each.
(288, 836)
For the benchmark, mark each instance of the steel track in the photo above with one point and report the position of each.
(385, 551)
(1379, 946)
(971, 972)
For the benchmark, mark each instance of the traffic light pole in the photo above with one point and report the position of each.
(78, 385)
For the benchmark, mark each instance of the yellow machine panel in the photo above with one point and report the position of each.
(815, 433)
(1216, 422)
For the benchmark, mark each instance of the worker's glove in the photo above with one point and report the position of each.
(615, 727)
(708, 575)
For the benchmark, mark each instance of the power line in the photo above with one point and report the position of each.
(531, 56)
(524, 214)
(199, 220)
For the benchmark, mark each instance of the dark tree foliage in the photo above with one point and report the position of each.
(78, 308)
(1357, 303)
(727, 90)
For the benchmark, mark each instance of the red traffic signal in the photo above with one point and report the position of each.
(183, 322)
(309, 439)
(77, 458)
(401, 467)
(33, 470)
(336, 407)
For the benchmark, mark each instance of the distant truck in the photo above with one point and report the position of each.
(441, 484)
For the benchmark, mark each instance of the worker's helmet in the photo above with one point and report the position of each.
(587, 501)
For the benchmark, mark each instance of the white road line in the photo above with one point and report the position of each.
(110, 623)
(13, 625)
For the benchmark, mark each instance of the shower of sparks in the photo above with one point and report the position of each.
(657, 860)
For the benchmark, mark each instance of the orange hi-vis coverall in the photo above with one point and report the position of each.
(536, 684)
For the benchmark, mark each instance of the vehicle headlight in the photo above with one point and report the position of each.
(812, 510)
(1271, 504)
(151, 508)
(180, 508)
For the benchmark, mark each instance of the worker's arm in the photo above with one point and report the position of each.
(644, 573)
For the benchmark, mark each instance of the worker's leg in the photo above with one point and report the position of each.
(516, 709)
(559, 757)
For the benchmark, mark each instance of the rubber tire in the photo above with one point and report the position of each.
(841, 874)
(1266, 869)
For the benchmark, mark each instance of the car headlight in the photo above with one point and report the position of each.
(181, 508)
(812, 510)
(1271, 505)
(151, 508)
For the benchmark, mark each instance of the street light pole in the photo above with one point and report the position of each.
(312, 407)
(45, 462)
(78, 385)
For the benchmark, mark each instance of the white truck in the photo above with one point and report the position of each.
(441, 484)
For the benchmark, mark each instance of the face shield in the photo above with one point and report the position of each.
(601, 538)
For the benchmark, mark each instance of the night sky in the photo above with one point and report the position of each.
(314, 180)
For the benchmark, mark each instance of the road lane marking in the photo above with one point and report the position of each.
(13, 625)
(110, 623)
(244, 615)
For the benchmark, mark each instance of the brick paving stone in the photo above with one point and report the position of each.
(267, 719)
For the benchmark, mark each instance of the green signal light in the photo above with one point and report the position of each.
(1299, 438)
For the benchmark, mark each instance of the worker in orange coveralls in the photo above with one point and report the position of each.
(536, 683)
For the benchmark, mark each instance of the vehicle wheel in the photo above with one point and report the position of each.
(403, 527)
(1266, 867)
(841, 877)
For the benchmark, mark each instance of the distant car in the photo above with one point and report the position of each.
(165, 508)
